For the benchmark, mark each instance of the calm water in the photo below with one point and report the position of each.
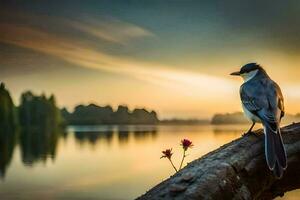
(102, 162)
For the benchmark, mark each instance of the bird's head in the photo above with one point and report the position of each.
(248, 71)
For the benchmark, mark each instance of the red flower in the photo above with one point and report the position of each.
(185, 143)
(167, 154)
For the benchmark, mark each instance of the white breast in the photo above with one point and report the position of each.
(248, 76)
(250, 116)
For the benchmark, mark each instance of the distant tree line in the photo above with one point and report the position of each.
(229, 118)
(34, 112)
(41, 112)
(239, 118)
(93, 114)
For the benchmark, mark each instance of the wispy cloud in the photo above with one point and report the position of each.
(191, 88)
(111, 29)
(98, 42)
(85, 56)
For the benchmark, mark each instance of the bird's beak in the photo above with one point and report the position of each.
(235, 74)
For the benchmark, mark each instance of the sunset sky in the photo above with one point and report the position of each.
(171, 56)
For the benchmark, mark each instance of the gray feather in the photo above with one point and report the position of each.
(270, 151)
(278, 171)
(274, 149)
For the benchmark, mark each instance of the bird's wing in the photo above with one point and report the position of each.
(253, 96)
(275, 99)
(264, 99)
(261, 98)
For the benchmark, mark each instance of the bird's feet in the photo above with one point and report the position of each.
(252, 133)
(246, 133)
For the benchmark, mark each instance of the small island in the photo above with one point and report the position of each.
(239, 118)
(93, 114)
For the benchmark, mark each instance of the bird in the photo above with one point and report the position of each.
(263, 102)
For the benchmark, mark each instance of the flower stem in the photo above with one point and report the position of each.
(182, 159)
(173, 165)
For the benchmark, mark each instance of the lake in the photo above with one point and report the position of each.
(100, 162)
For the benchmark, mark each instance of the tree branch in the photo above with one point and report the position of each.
(237, 170)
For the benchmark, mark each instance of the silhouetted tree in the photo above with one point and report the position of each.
(90, 115)
(122, 115)
(142, 116)
(39, 112)
(8, 124)
(93, 114)
(7, 111)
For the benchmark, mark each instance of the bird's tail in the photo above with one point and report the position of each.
(274, 149)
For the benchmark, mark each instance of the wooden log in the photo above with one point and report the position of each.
(236, 170)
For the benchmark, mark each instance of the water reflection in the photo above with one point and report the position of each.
(122, 158)
(7, 145)
(94, 134)
(37, 145)
(93, 137)
(123, 134)
(144, 134)
(40, 145)
(228, 129)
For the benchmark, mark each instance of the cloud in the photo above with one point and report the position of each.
(100, 27)
(160, 82)
(112, 30)
(81, 54)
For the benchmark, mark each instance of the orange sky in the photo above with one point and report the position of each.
(178, 65)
